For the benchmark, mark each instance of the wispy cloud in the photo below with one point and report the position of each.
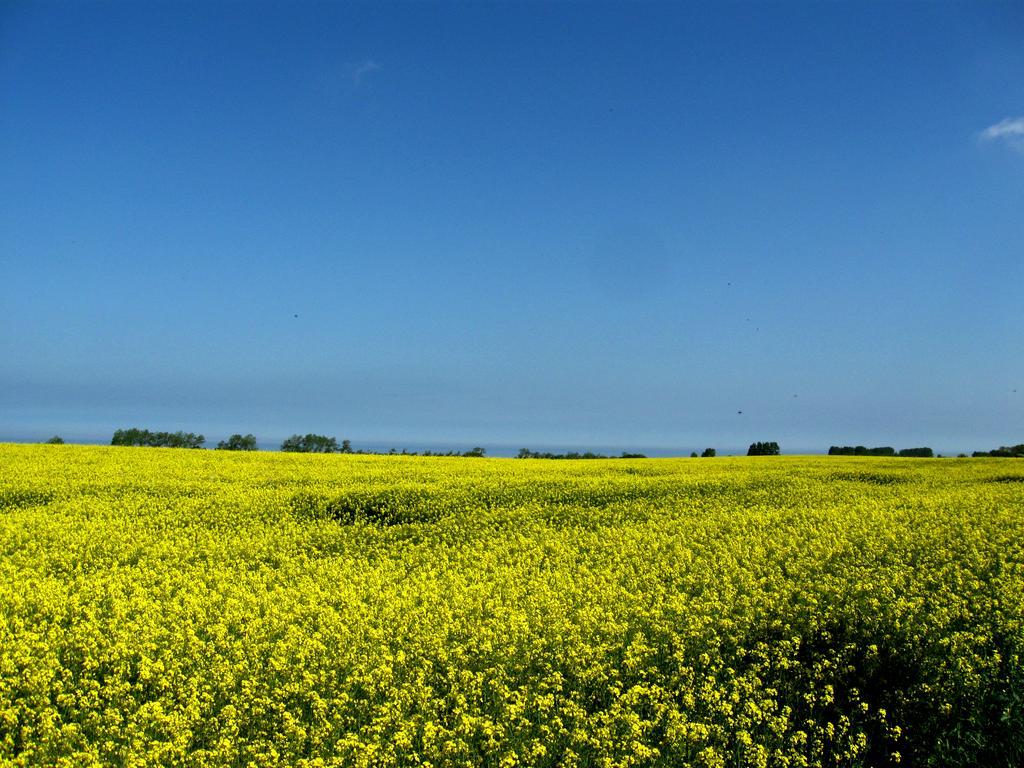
(1009, 132)
(361, 70)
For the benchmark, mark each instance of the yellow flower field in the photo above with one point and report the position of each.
(211, 608)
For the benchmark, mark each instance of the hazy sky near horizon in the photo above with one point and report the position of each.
(569, 224)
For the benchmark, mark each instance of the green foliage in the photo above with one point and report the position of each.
(55, 440)
(526, 453)
(310, 444)
(145, 438)
(920, 453)
(1003, 452)
(763, 449)
(198, 609)
(860, 450)
(709, 453)
(238, 443)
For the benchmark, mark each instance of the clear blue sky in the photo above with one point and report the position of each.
(571, 224)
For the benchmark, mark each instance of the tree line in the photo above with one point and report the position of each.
(143, 437)
(860, 450)
(308, 443)
(526, 453)
(1003, 452)
(238, 443)
(314, 443)
(323, 444)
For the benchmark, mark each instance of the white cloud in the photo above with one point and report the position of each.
(361, 69)
(1009, 131)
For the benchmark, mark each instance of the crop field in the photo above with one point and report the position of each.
(213, 608)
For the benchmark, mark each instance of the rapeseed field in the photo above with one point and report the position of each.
(208, 608)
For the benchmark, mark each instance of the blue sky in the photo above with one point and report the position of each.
(562, 224)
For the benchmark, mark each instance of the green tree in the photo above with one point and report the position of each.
(145, 438)
(238, 443)
(920, 453)
(55, 440)
(1004, 452)
(763, 449)
(709, 453)
(311, 443)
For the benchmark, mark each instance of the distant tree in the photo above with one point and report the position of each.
(920, 453)
(310, 443)
(476, 453)
(179, 440)
(860, 450)
(1004, 452)
(526, 453)
(238, 443)
(346, 446)
(143, 437)
(1010, 451)
(709, 453)
(693, 455)
(323, 444)
(133, 436)
(763, 449)
(55, 440)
